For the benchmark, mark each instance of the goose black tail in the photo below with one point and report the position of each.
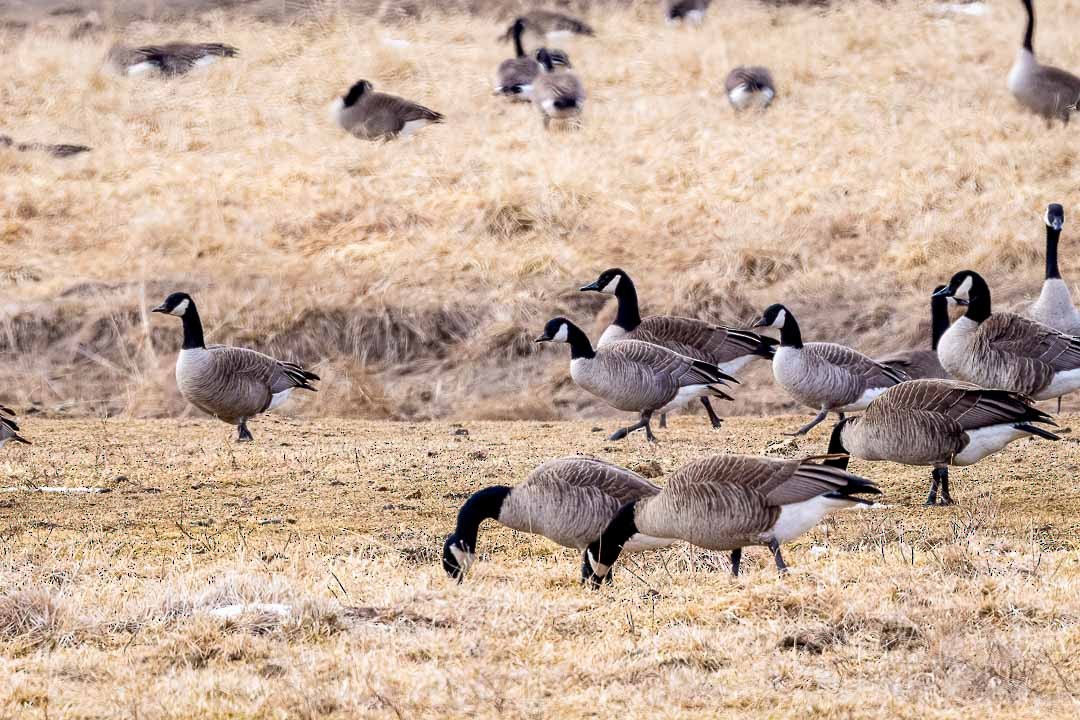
(1036, 430)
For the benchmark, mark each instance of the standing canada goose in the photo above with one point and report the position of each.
(727, 348)
(824, 376)
(169, 59)
(569, 501)
(54, 150)
(549, 25)
(515, 76)
(689, 11)
(9, 430)
(938, 423)
(924, 364)
(232, 384)
(636, 376)
(750, 86)
(1055, 304)
(1003, 350)
(558, 94)
(727, 502)
(1043, 89)
(378, 116)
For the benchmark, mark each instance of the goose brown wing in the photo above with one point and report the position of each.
(916, 364)
(255, 377)
(754, 77)
(560, 84)
(517, 71)
(702, 340)
(968, 406)
(1022, 338)
(787, 485)
(1060, 87)
(872, 373)
(387, 114)
(680, 369)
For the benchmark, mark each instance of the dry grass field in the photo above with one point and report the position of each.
(111, 602)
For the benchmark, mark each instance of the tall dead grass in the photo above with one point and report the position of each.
(412, 274)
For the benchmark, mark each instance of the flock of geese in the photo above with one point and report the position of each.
(966, 397)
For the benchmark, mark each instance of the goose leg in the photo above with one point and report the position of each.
(245, 434)
(547, 122)
(642, 423)
(713, 417)
(1059, 406)
(946, 498)
(780, 564)
(663, 420)
(812, 424)
(736, 556)
(931, 499)
(646, 417)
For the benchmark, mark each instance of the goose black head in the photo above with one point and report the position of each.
(964, 287)
(1055, 216)
(558, 58)
(543, 56)
(356, 92)
(774, 316)
(607, 283)
(457, 557)
(556, 330)
(176, 304)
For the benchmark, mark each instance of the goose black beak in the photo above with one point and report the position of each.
(161, 309)
(1057, 223)
(591, 287)
(542, 338)
(760, 324)
(943, 292)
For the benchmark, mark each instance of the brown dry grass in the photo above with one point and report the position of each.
(106, 599)
(413, 274)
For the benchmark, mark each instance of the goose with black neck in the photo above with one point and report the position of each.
(924, 364)
(1044, 89)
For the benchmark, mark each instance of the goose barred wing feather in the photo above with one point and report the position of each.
(516, 72)
(680, 369)
(178, 58)
(702, 340)
(550, 21)
(252, 378)
(916, 364)
(872, 373)
(754, 77)
(957, 404)
(387, 114)
(1047, 349)
(560, 85)
(808, 480)
(1058, 90)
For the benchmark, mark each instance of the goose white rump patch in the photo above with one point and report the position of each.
(141, 68)
(278, 398)
(639, 543)
(866, 399)
(685, 396)
(206, 60)
(797, 518)
(1063, 383)
(412, 126)
(987, 441)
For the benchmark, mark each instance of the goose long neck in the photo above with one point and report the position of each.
(482, 505)
(193, 332)
(1052, 237)
(979, 301)
(621, 528)
(790, 335)
(1029, 32)
(939, 319)
(519, 49)
(580, 347)
(628, 316)
(836, 445)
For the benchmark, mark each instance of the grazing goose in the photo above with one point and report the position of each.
(1043, 89)
(727, 502)
(232, 384)
(689, 11)
(750, 86)
(824, 376)
(1003, 350)
(924, 364)
(549, 25)
(569, 501)
(515, 76)
(169, 59)
(54, 150)
(9, 430)
(635, 376)
(727, 348)
(558, 94)
(1055, 304)
(938, 423)
(377, 116)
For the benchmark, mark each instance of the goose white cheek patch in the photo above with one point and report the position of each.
(781, 318)
(180, 309)
(562, 335)
(964, 290)
(612, 284)
(464, 559)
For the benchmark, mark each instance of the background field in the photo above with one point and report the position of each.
(414, 274)
(107, 600)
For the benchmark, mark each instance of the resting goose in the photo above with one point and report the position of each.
(232, 384)
(1055, 304)
(54, 150)
(728, 502)
(824, 376)
(550, 25)
(750, 86)
(9, 430)
(1003, 350)
(938, 423)
(636, 376)
(515, 76)
(1043, 89)
(569, 501)
(169, 59)
(558, 94)
(378, 116)
(689, 11)
(924, 364)
(727, 348)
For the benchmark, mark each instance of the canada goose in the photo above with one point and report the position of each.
(1003, 350)
(558, 94)
(9, 430)
(924, 364)
(727, 502)
(169, 59)
(690, 11)
(549, 25)
(569, 501)
(378, 116)
(1055, 304)
(750, 86)
(938, 423)
(54, 150)
(635, 376)
(727, 348)
(1043, 89)
(232, 384)
(825, 376)
(515, 76)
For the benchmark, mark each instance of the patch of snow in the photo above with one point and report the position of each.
(817, 551)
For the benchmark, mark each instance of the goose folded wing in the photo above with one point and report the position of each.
(873, 373)
(255, 372)
(618, 482)
(1019, 337)
(660, 361)
(699, 339)
(809, 481)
